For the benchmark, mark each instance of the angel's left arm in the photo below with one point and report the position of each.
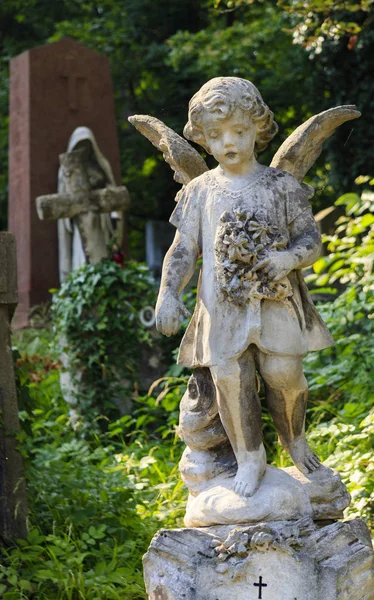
(305, 240)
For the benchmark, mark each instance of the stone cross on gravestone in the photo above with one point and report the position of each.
(13, 503)
(85, 206)
(72, 74)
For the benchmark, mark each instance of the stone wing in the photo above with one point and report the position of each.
(184, 160)
(300, 150)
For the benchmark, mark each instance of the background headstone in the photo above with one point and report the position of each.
(13, 504)
(158, 239)
(53, 89)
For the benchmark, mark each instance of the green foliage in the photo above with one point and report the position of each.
(95, 502)
(257, 40)
(346, 442)
(342, 374)
(329, 18)
(341, 394)
(257, 47)
(341, 386)
(96, 316)
(351, 247)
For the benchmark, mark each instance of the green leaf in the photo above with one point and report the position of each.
(320, 265)
(367, 220)
(13, 579)
(322, 280)
(349, 200)
(100, 568)
(25, 585)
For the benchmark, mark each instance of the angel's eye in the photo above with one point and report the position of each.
(212, 134)
(239, 131)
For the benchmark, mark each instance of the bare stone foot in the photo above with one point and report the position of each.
(251, 470)
(303, 456)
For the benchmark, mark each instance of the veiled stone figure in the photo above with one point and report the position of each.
(85, 171)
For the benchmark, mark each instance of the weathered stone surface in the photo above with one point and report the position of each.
(59, 206)
(326, 492)
(53, 89)
(13, 503)
(184, 160)
(269, 561)
(302, 148)
(208, 467)
(283, 494)
(279, 497)
(84, 208)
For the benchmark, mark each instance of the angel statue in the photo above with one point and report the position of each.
(254, 229)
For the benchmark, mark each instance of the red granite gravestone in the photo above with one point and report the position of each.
(53, 89)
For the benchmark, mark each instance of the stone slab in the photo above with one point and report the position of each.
(53, 89)
(294, 560)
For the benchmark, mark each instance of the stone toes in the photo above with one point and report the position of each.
(243, 489)
(238, 487)
(312, 460)
(311, 464)
(248, 491)
(303, 468)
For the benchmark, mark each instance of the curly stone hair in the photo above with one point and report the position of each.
(222, 95)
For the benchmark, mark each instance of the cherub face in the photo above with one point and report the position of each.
(231, 140)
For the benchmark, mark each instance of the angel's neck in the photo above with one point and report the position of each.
(235, 180)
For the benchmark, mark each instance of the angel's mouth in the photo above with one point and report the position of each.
(230, 154)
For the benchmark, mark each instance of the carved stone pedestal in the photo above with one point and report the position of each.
(289, 560)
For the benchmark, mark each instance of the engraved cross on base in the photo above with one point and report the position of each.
(85, 206)
(260, 585)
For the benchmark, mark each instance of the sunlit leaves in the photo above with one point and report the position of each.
(350, 256)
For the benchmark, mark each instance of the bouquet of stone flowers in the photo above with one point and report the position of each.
(242, 241)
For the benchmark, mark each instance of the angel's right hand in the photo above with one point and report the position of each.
(169, 309)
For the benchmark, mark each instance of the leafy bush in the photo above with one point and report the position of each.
(351, 248)
(341, 395)
(341, 385)
(96, 315)
(95, 502)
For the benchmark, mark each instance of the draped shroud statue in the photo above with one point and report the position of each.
(86, 236)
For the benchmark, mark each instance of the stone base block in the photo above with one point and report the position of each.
(289, 560)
